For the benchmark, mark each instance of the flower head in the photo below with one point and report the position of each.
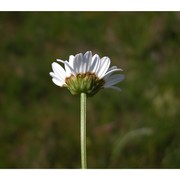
(86, 73)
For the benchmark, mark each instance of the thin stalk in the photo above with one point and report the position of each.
(83, 131)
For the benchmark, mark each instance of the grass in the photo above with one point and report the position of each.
(39, 122)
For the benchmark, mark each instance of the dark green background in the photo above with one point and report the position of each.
(39, 122)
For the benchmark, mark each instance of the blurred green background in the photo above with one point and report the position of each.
(39, 122)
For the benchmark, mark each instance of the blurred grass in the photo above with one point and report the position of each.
(39, 122)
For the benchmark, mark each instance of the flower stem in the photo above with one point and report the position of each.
(83, 131)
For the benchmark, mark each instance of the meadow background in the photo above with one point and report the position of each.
(39, 122)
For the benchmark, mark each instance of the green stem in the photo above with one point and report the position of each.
(83, 131)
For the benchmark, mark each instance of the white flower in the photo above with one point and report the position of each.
(86, 73)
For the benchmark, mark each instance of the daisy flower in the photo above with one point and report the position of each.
(86, 73)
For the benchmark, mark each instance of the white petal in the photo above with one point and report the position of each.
(57, 82)
(59, 71)
(114, 87)
(112, 67)
(60, 60)
(52, 74)
(67, 68)
(82, 65)
(88, 59)
(114, 79)
(110, 71)
(95, 64)
(71, 60)
(77, 62)
(71, 69)
(105, 63)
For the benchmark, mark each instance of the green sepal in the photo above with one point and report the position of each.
(88, 83)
